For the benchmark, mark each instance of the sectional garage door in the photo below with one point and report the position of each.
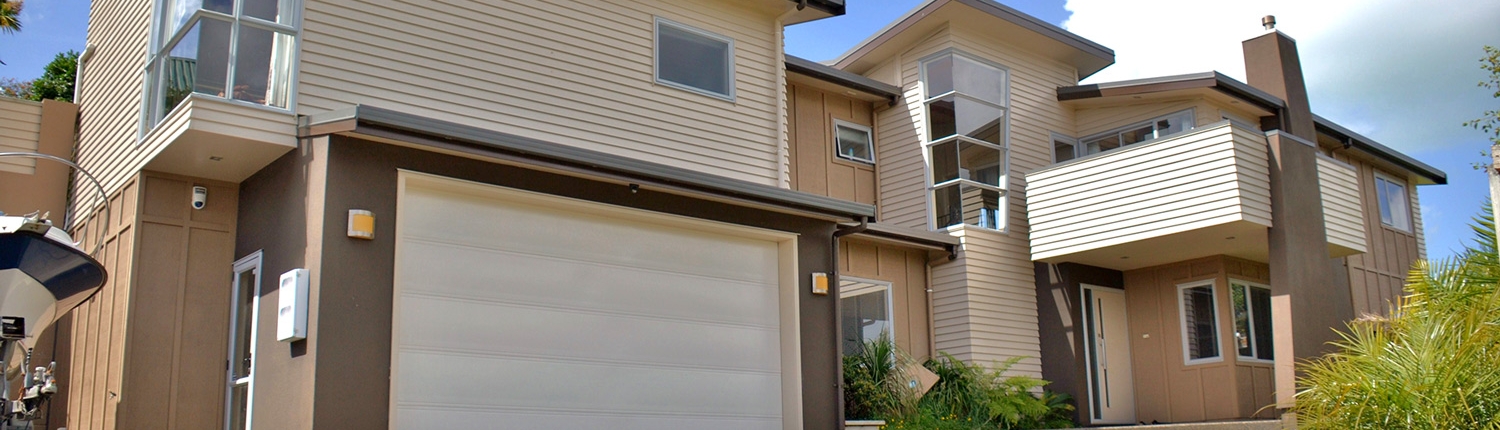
(514, 310)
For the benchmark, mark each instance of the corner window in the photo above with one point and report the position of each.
(233, 49)
(864, 312)
(1395, 208)
(967, 103)
(1252, 320)
(853, 142)
(1063, 148)
(694, 60)
(1137, 133)
(1200, 322)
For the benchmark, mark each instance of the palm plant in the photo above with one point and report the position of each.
(10, 16)
(1431, 365)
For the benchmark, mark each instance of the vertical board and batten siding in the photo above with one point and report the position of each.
(20, 131)
(1205, 177)
(92, 362)
(572, 73)
(1342, 215)
(815, 165)
(1378, 277)
(110, 90)
(985, 302)
(906, 270)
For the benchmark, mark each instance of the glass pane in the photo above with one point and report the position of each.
(1396, 195)
(980, 163)
(1138, 135)
(1260, 305)
(853, 143)
(961, 115)
(979, 80)
(693, 60)
(1101, 144)
(1173, 125)
(939, 76)
(1198, 314)
(269, 10)
(244, 312)
(240, 402)
(1062, 151)
(197, 63)
(944, 162)
(1382, 193)
(1242, 334)
(864, 319)
(966, 204)
(253, 65)
(179, 11)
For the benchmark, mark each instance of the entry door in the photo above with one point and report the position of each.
(1111, 392)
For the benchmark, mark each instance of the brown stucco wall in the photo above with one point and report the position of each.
(349, 340)
(906, 270)
(46, 190)
(1060, 319)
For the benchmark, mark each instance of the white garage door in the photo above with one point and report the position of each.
(514, 310)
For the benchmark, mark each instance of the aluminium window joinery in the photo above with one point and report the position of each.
(967, 105)
(233, 49)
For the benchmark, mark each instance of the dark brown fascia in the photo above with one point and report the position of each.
(853, 81)
(1369, 146)
(385, 123)
(833, 7)
(1214, 80)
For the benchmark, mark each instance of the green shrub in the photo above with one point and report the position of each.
(875, 384)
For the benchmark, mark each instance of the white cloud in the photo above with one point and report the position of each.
(1401, 72)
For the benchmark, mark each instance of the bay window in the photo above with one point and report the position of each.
(233, 49)
(967, 104)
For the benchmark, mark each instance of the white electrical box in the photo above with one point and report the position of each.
(291, 311)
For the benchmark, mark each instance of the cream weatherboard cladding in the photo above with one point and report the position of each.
(1341, 207)
(559, 71)
(20, 131)
(109, 94)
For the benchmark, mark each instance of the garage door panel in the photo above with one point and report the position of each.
(554, 385)
(588, 237)
(524, 278)
(456, 418)
(523, 331)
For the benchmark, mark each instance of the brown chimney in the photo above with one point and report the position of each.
(1271, 64)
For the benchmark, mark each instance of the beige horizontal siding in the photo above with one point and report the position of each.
(902, 171)
(1206, 177)
(1416, 221)
(20, 131)
(1341, 206)
(575, 73)
(109, 95)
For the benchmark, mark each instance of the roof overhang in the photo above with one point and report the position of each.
(838, 81)
(1009, 25)
(813, 10)
(940, 247)
(433, 134)
(1171, 85)
(1425, 174)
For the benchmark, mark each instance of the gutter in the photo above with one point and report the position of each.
(857, 82)
(1372, 147)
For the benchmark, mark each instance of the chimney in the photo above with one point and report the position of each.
(1271, 65)
(1269, 21)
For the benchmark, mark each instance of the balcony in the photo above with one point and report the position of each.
(214, 138)
(1201, 193)
(1343, 216)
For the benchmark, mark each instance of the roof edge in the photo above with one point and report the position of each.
(993, 9)
(1213, 79)
(851, 80)
(1372, 147)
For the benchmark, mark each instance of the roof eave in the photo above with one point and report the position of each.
(1370, 146)
(840, 77)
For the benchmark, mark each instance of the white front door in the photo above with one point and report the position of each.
(1111, 392)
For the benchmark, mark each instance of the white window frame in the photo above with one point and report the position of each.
(869, 140)
(1002, 212)
(1239, 120)
(252, 265)
(881, 287)
(1382, 199)
(1250, 311)
(1213, 289)
(656, 58)
(162, 39)
(1155, 133)
(1053, 146)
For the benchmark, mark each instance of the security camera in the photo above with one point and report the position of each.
(200, 197)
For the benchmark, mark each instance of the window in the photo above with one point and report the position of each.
(235, 49)
(243, 318)
(853, 142)
(967, 137)
(1063, 148)
(694, 60)
(1394, 206)
(864, 312)
(1200, 322)
(1252, 320)
(1137, 133)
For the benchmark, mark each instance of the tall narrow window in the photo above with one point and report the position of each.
(694, 59)
(864, 312)
(1395, 208)
(1200, 322)
(1252, 320)
(967, 136)
(232, 49)
(245, 291)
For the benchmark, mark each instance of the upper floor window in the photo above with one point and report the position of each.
(853, 142)
(1136, 133)
(235, 49)
(1252, 320)
(694, 59)
(1394, 206)
(967, 103)
(1063, 148)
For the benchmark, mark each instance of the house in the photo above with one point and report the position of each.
(339, 214)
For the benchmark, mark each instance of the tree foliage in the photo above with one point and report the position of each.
(57, 78)
(1490, 122)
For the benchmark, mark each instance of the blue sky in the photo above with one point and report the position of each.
(1408, 83)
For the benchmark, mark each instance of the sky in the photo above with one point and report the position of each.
(1401, 72)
